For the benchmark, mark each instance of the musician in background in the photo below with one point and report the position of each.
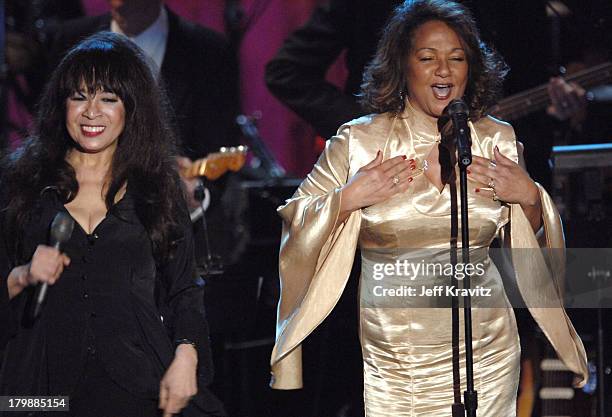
(587, 39)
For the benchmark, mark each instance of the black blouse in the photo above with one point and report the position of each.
(111, 301)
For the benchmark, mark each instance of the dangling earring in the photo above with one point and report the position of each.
(402, 103)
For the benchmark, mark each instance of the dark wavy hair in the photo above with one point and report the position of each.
(384, 79)
(144, 158)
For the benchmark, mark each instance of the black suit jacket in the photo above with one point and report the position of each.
(199, 73)
(296, 75)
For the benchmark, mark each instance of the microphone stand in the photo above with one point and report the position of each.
(462, 143)
(272, 170)
(470, 395)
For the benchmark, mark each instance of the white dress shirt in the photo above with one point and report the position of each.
(152, 40)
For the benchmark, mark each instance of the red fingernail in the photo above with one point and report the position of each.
(497, 148)
(411, 160)
(410, 179)
(477, 190)
(412, 166)
(404, 156)
(468, 171)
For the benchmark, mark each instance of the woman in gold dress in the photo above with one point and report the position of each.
(379, 185)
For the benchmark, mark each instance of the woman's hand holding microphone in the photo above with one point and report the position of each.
(47, 265)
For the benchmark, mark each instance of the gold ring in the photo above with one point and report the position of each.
(395, 180)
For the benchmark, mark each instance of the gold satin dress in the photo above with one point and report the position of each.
(406, 346)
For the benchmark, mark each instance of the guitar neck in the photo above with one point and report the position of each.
(535, 99)
(216, 164)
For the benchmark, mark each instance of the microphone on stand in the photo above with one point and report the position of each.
(60, 232)
(458, 113)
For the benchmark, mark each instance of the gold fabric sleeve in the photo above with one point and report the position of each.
(540, 276)
(316, 256)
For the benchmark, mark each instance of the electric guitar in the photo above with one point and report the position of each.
(216, 164)
(546, 388)
(212, 167)
(534, 99)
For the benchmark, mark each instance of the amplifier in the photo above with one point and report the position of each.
(582, 190)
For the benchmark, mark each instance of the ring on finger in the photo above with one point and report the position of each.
(495, 197)
(492, 164)
(491, 184)
(395, 180)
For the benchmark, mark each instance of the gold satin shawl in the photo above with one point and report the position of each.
(317, 253)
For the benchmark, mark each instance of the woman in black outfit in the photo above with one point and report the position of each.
(122, 331)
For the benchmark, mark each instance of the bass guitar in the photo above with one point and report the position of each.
(535, 99)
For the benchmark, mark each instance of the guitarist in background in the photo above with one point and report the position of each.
(520, 30)
(587, 48)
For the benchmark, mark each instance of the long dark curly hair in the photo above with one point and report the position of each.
(384, 80)
(144, 158)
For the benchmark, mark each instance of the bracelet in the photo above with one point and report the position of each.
(184, 342)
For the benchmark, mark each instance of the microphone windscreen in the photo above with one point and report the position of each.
(61, 227)
(457, 106)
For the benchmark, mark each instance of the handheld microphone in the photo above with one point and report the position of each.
(458, 112)
(60, 232)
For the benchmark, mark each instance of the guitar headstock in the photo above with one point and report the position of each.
(216, 164)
